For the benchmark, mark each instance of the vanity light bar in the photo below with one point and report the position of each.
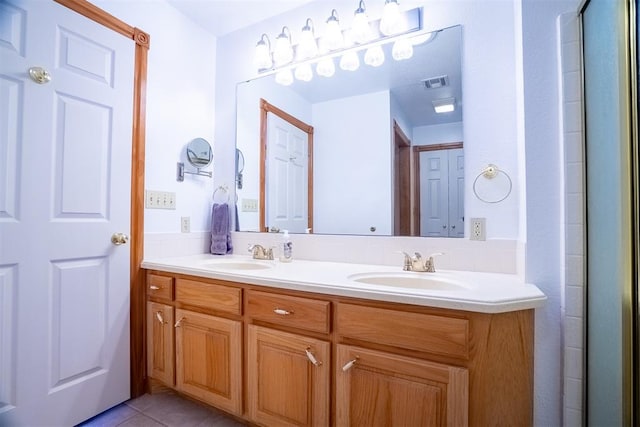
(413, 19)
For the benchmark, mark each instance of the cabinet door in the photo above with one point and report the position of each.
(209, 359)
(288, 378)
(375, 388)
(160, 360)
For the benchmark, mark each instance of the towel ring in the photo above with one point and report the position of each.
(223, 188)
(491, 172)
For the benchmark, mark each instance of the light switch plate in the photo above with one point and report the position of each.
(160, 200)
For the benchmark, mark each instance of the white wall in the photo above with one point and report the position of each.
(438, 134)
(489, 72)
(357, 127)
(545, 194)
(180, 107)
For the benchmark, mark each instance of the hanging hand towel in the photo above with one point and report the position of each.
(220, 230)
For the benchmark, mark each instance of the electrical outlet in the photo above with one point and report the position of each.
(160, 200)
(478, 229)
(185, 224)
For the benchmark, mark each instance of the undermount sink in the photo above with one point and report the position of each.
(408, 280)
(237, 265)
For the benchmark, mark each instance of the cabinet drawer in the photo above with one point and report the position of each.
(208, 295)
(160, 286)
(302, 313)
(417, 331)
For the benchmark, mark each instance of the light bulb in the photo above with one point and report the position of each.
(360, 30)
(392, 21)
(350, 61)
(374, 56)
(262, 58)
(303, 72)
(284, 77)
(402, 49)
(283, 52)
(326, 68)
(307, 48)
(333, 34)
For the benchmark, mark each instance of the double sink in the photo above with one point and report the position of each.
(402, 279)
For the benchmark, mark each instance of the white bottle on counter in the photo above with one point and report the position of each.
(286, 248)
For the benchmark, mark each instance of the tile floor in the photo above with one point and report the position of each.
(162, 409)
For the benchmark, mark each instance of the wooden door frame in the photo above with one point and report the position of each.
(137, 289)
(266, 107)
(416, 177)
(403, 217)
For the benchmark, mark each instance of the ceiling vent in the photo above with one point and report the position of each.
(436, 82)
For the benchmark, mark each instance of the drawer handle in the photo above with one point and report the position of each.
(154, 287)
(159, 317)
(350, 364)
(177, 325)
(311, 357)
(282, 312)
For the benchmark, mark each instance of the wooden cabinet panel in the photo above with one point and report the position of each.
(160, 287)
(209, 359)
(160, 352)
(417, 331)
(285, 387)
(375, 388)
(302, 313)
(208, 295)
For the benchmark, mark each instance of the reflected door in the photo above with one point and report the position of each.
(287, 172)
(441, 190)
(65, 157)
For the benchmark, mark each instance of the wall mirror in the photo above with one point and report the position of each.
(374, 157)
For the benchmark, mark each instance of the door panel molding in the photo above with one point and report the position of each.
(137, 290)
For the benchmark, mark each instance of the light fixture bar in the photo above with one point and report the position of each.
(414, 25)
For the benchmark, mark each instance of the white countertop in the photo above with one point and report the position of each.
(474, 291)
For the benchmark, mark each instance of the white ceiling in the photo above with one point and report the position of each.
(221, 17)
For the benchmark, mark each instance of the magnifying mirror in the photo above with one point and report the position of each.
(239, 168)
(199, 155)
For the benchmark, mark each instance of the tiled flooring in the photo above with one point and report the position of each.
(161, 409)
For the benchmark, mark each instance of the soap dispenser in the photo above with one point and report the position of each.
(286, 248)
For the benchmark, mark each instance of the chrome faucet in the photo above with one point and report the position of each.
(260, 252)
(416, 263)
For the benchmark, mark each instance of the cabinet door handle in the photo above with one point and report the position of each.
(311, 357)
(154, 287)
(159, 317)
(349, 364)
(177, 325)
(282, 312)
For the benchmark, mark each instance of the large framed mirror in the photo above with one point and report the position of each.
(383, 161)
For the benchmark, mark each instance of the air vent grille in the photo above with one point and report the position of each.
(436, 82)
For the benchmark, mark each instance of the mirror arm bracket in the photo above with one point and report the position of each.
(181, 171)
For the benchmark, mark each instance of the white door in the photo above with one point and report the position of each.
(442, 193)
(65, 157)
(434, 193)
(287, 176)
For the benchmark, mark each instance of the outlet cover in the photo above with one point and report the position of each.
(478, 229)
(185, 224)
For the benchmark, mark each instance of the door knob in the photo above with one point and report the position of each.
(119, 239)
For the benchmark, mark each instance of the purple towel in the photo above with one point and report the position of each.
(220, 230)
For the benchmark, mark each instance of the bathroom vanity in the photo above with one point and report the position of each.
(314, 343)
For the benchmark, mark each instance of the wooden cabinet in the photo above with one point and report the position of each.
(375, 388)
(288, 378)
(290, 358)
(209, 359)
(160, 352)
